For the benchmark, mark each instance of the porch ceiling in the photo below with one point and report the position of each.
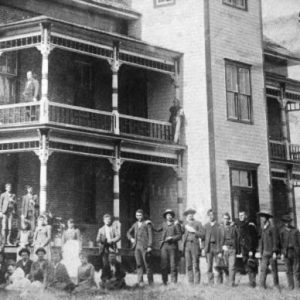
(89, 41)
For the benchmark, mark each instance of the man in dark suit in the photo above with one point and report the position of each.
(193, 232)
(141, 236)
(25, 263)
(7, 209)
(171, 234)
(29, 209)
(269, 248)
(107, 238)
(247, 245)
(290, 246)
(212, 246)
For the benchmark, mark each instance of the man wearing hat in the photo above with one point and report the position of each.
(29, 209)
(289, 241)
(193, 231)
(25, 263)
(171, 235)
(229, 244)
(212, 247)
(108, 236)
(269, 248)
(141, 236)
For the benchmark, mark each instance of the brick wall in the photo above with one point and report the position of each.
(8, 15)
(236, 35)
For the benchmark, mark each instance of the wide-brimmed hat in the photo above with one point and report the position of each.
(189, 211)
(24, 250)
(264, 213)
(169, 211)
(40, 249)
(286, 219)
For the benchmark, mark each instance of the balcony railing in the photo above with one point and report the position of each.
(147, 128)
(279, 151)
(19, 114)
(82, 118)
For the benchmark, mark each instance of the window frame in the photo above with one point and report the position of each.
(238, 114)
(163, 4)
(234, 4)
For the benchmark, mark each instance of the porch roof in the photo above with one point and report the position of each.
(87, 40)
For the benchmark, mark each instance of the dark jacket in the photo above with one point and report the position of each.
(57, 277)
(231, 232)
(208, 235)
(269, 241)
(102, 241)
(199, 234)
(26, 268)
(176, 234)
(289, 239)
(143, 235)
(247, 237)
(29, 203)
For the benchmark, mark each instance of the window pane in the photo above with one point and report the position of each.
(231, 78)
(235, 177)
(244, 104)
(231, 105)
(244, 81)
(241, 3)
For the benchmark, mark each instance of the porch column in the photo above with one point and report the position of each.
(115, 66)
(176, 80)
(284, 122)
(43, 154)
(179, 177)
(45, 49)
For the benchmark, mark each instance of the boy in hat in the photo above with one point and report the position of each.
(269, 247)
(25, 263)
(212, 248)
(289, 241)
(229, 247)
(193, 231)
(108, 236)
(39, 267)
(171, 234)
(141, 236)
(29, 207)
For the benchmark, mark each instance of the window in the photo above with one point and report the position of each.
(242, 4)
(158, 3)
(8, 74)
(84, 73)
(241, 178)
(238, 92)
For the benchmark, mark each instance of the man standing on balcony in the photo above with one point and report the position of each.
(7, 209)
(31, 90)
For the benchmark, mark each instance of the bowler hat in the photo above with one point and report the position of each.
(169, 211)
(39, 250)
(189, 211)
(264, 213)
(286, 219)
(24, 250)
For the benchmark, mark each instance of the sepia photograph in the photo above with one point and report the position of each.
(149, 149)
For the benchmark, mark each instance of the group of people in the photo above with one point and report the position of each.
(221, 244)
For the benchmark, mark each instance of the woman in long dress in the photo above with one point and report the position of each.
(42, 237)
(71, 240)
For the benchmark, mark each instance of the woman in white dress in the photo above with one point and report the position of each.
(72, 243)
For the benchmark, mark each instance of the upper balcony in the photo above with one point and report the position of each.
(89, 82)
(281, 151)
